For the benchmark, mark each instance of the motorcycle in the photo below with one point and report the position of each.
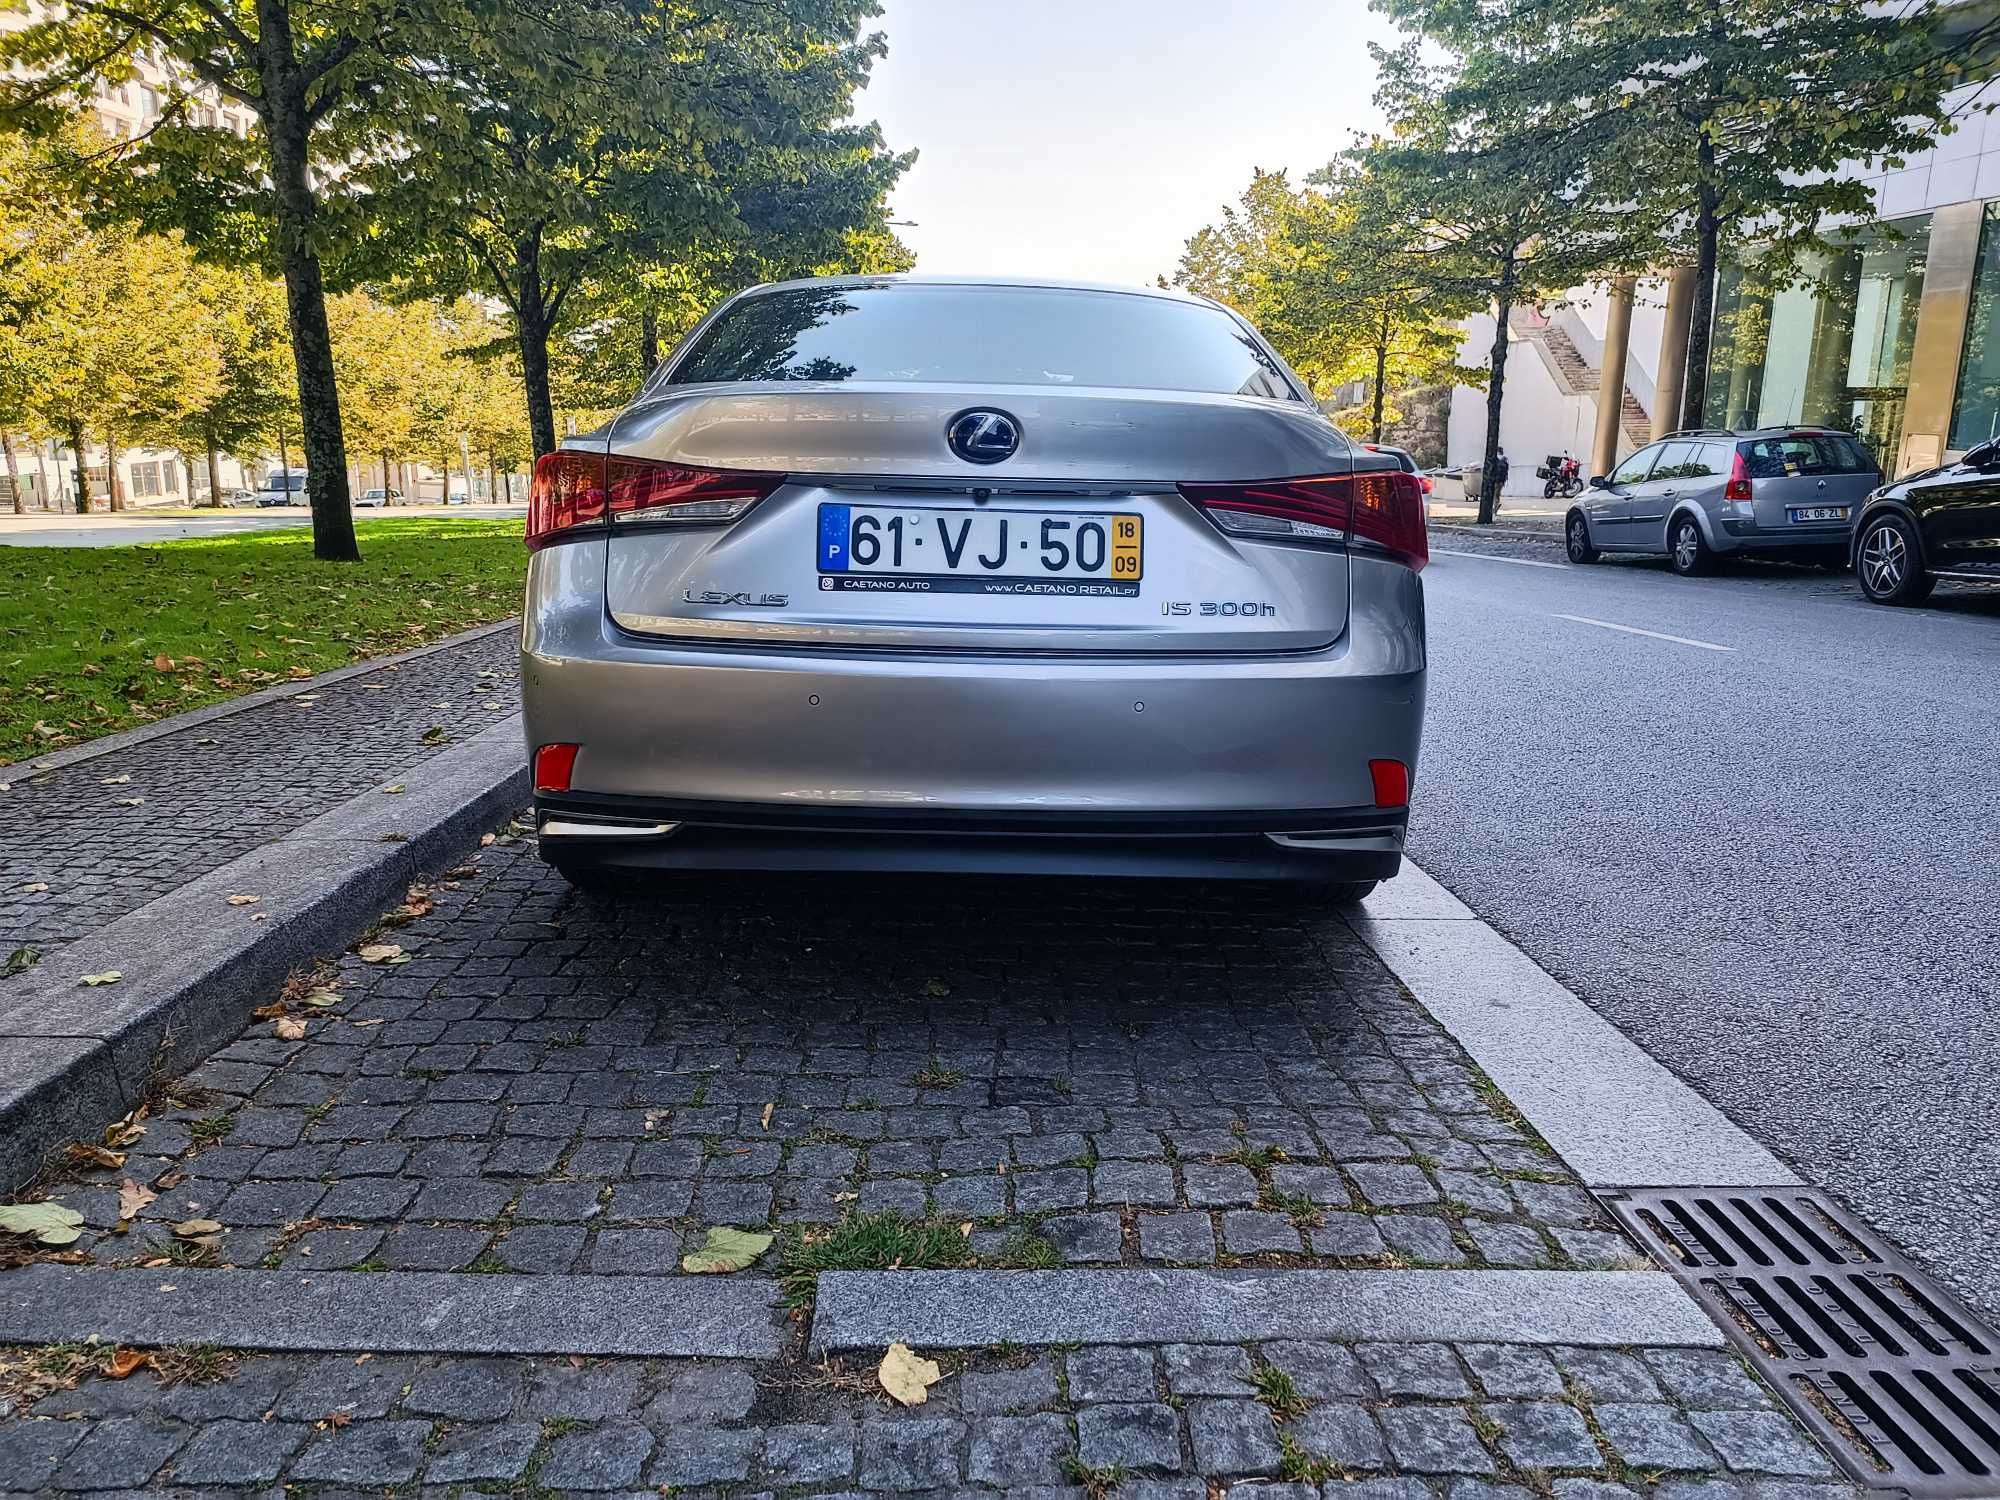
(1562, 475)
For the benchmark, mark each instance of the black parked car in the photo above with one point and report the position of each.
(1942, 523)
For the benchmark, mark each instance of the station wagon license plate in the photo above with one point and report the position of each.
(1818, 513)
(923, 549)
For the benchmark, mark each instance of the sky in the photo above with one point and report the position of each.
(1090, 138)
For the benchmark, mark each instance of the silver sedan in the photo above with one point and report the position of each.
(915, 573)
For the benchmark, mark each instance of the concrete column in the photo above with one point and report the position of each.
(1670, 381)
(1611, 389)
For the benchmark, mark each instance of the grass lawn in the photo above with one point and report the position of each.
(94, 640)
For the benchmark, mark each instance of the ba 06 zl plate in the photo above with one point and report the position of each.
(923, 549)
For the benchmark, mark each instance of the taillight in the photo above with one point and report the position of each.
(1381, 508)
(577, 492)
(1738, 487)
(1392, 782)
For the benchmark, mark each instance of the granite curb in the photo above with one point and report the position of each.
(74, 1057)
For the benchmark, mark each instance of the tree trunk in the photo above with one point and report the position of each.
(1381, 375)
(111, 475)
(531, 322)
(1489, 486)
(82, 467)
(214, 475)
(13, 472)
(187, 468)
(1701, 309)
(284, 453)
(286, 128)
(48, 495)
(388, 484)
(649, 341)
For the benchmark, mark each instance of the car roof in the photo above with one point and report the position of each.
(1782, 429)
(926, 278)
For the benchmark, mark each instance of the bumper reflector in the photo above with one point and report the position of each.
(1392, 782)
(553, 767)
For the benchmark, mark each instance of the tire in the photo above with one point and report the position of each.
(1576, 539)
(1549, 489)
(1348, 892)
(1687, 548)
(1889, 563)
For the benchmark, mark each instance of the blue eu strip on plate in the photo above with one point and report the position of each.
(833, 538)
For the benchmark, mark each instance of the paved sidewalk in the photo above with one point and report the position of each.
(98, 837)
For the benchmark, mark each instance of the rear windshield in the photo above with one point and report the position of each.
(1806, 453)
(981, 335)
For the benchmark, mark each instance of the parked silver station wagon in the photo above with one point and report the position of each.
(910, 573)
(1785, 491)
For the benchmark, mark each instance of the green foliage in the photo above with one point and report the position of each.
(86, 629)
(867, 1242)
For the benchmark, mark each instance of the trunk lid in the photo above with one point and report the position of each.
(1807, 471)
(1091, 464)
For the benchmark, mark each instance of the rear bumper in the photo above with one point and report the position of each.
(1748, 536)
(888, 760)
(639, 833)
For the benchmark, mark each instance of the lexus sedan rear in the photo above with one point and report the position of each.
(903, 573)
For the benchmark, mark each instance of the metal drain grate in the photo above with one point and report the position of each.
(1898, 1380)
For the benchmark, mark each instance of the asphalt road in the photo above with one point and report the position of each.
(1774, 865)
(128, 528)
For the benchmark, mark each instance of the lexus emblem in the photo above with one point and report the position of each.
(983, 435)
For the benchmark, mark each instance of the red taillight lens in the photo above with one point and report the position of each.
(1384, 508)
(568, 492)
(575, 489)
(675, 492)
(554, 765)
(1392, 782)
(1738, 487)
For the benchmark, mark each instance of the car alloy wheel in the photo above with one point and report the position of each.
(1885, 560)
(1576, 541)
(1690, 552)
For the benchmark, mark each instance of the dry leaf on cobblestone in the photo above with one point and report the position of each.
(377, 1021)
(321, 999)
(908, 1377)
(115, 780)
(937, 989)
(305, 697)
(383, 953)
(269, 1012)
(124, 1362)
(194, 1229)
(126, 1132)
(35, 887)
(391, 791)
(132, 1198)
(84, 1153)
(45, 1223)
(290, 1029)
(243, 898)
(131, 801)
(725, 1250)
(486, 840)
(767, 1115)
(109, 976)
(20, 960)
(6, 786)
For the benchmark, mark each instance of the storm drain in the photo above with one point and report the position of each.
(1886, 1367)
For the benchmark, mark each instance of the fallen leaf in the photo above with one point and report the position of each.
(655, 1118)
(936, 988)
(290, 1029)
(260, 916)
(726, 1249)
(486, 840)
(35, 887)
(243, 898)
(20, 960)
(966, 1229)
(109, 976)
(390, 791)
(908, 1377)
(382, 953)
(305, 697)
(377, 1021)
(767, 1114)
(845, 1197)
(97, 1156)
(194, 1229)
(131, 801)
(45, 1223)
(126, 1362)
(115, 780)
(362, 1359)
(132, 1198)
(208, 740)
(321, 999)
(269, 1012)
(338, 1418)
(163, 663)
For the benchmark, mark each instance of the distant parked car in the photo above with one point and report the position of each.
(377, 498)
(239, 496)
(1942, 523)
(283, 487)
(1404, 461)
(1777, 491)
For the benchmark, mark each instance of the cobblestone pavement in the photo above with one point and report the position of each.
(1083, 1072)
(1180, 1422)
(104, 836)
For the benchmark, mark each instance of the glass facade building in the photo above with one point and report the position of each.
(1976, 412)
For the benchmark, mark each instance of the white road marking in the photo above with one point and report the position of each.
(1519, 562)
(1657, 635)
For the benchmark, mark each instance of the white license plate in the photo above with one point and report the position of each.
(921, 549)
(1819, 513)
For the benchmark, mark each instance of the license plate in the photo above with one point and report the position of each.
(921, 549)
(1819, 513)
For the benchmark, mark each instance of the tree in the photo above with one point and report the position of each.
(244, 315)
(1718, 123)
(1225, 260)
(1501, 188)
(304, 67)
(675, 134)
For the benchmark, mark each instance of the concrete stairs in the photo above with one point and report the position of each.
(1576, 374)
